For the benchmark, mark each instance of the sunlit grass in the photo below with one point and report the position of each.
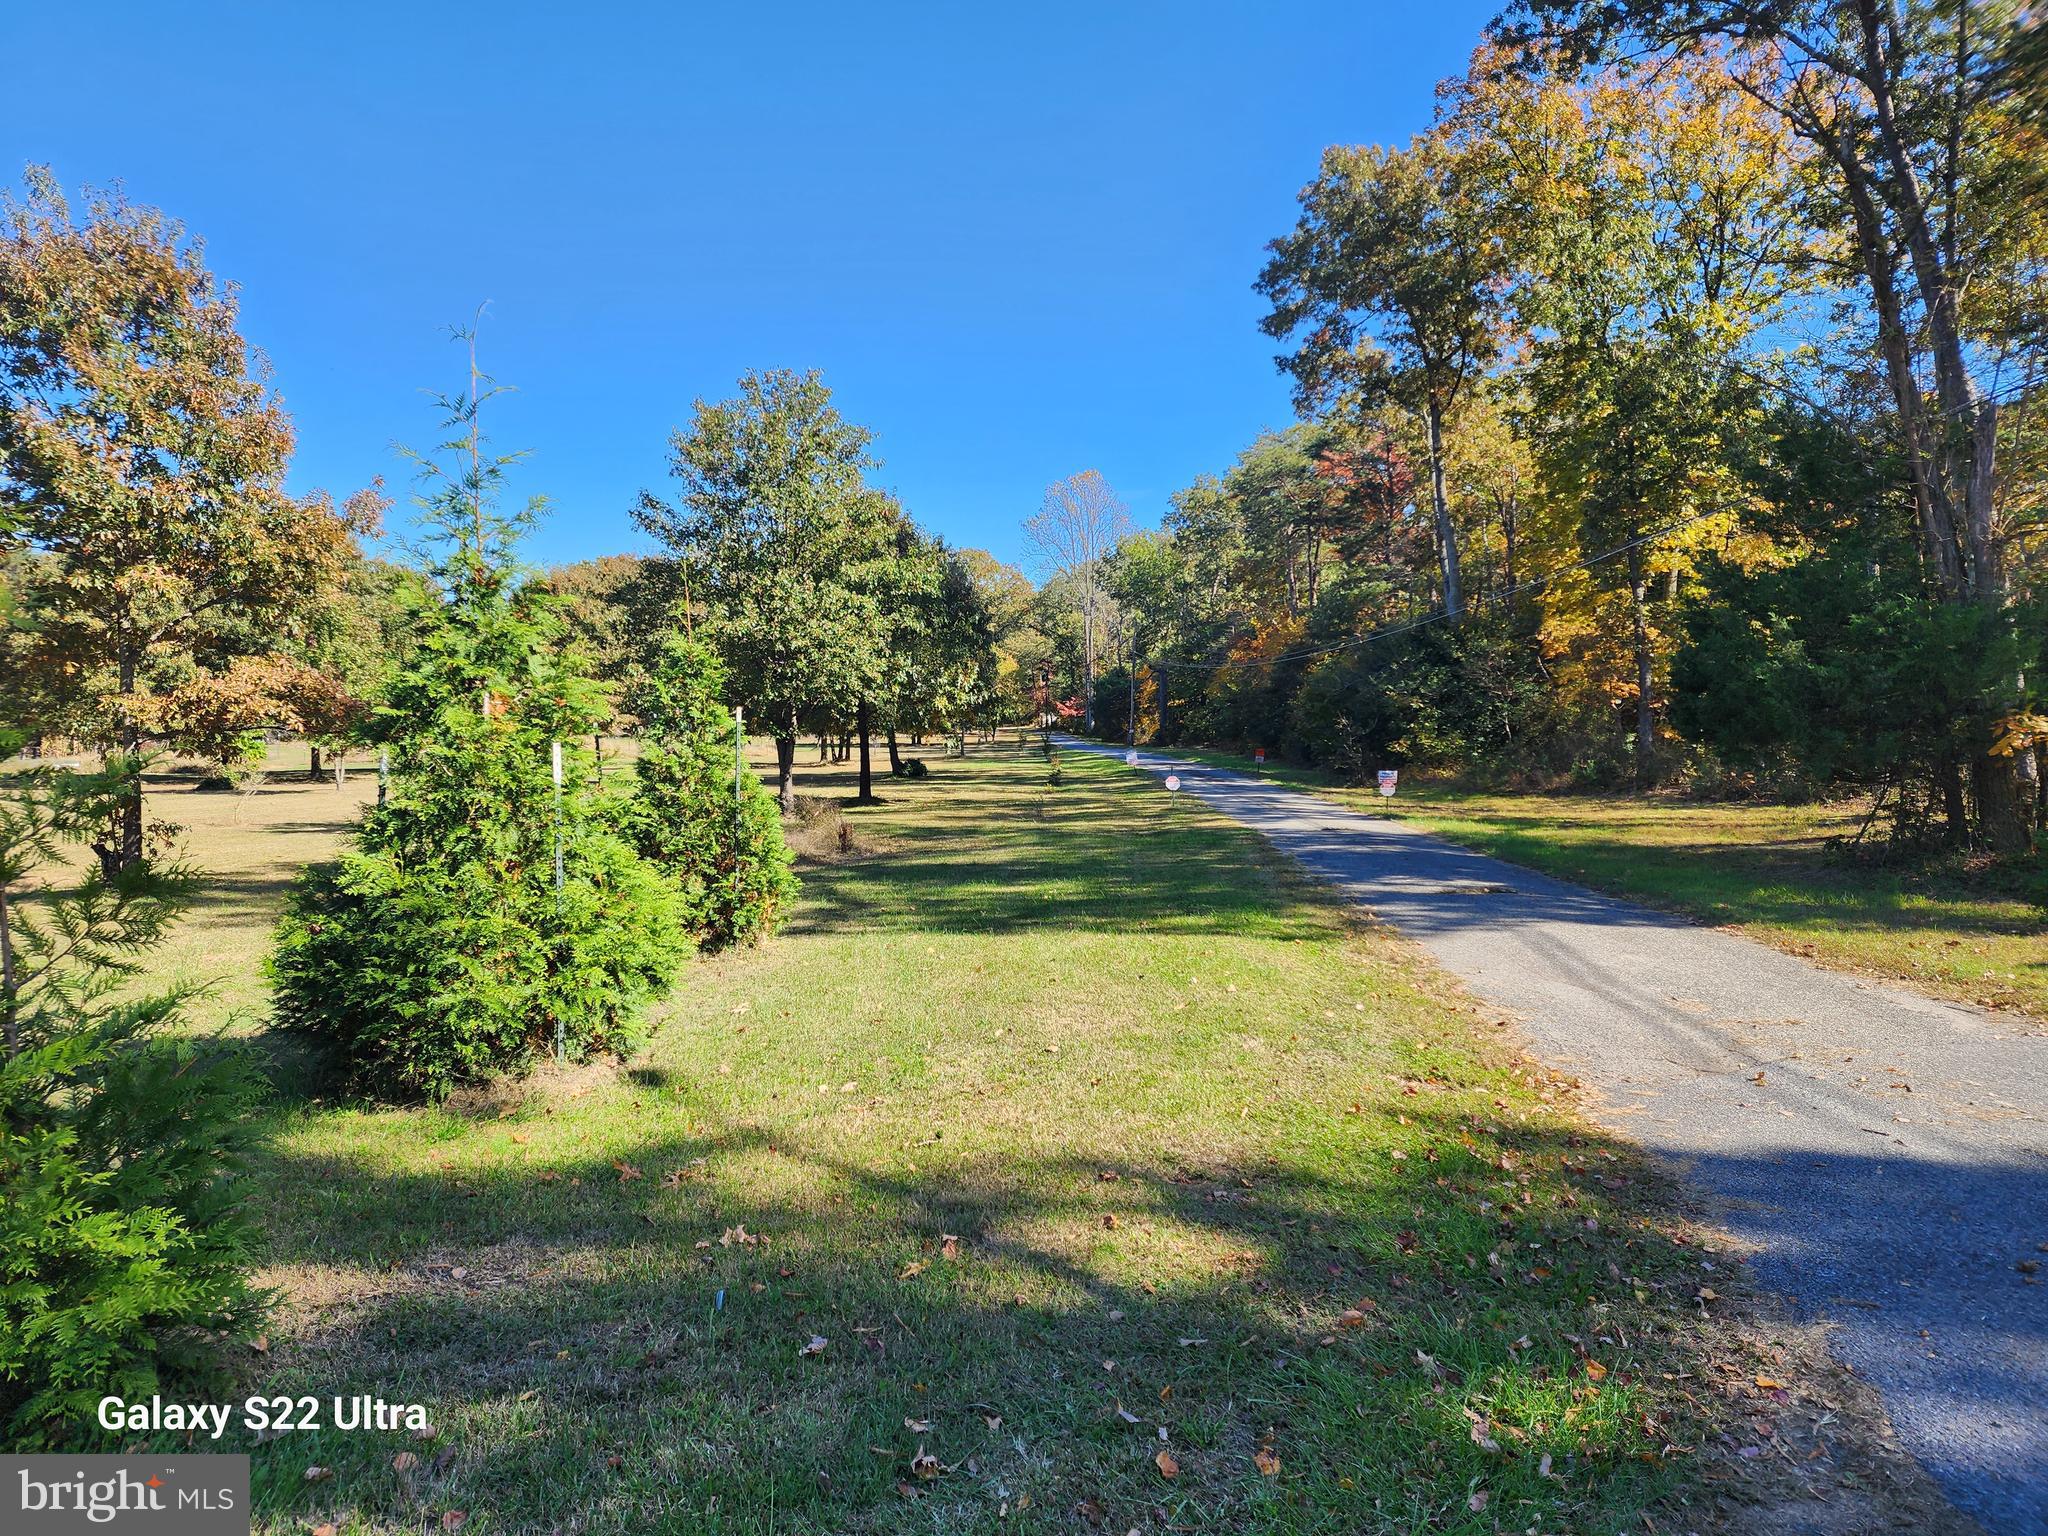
(1081, 1130)
(1790, 875)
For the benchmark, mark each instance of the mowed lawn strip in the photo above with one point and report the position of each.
(246, 846)
(1067, 1164)
(1779, 873)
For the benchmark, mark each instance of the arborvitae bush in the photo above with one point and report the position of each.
(438, 949)
(123, 1255)
(726, 854)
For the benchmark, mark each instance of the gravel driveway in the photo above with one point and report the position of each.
(1889, 1152)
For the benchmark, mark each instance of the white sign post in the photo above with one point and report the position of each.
(1130, 759)
(555, 766)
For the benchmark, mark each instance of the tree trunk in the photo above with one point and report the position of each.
(1950, 778)
(785, 768)
(1508, 512)
(1957, 456)
(313, 763)
(1446, 534)
(867, 772)
(7, 982)
(124, 849)
(1088, 664)
(895, 754)
(2001, 813)
(1646, 724)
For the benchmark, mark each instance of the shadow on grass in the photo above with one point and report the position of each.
(1085, 1304)
(1086, 856)
(1778, 877)
(1764, 883)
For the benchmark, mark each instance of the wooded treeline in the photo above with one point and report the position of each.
(1671, 408)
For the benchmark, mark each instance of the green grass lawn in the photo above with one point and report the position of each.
(1779, 873)
(1068, 1165)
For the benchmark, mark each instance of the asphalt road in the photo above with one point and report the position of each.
(1888, 1152)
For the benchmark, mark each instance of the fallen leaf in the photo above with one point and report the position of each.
(627, 1173)
(924, 1464)
(1767, 1384)
(1351, 1317)
(1477, 1502)
(1168, 1467)
(451, 1519)
(404, 1462)
(815, 1347)
(1596, 1370)
(916, 1267)
(319, 1474)
(949, 1246)
(918, 1426)
(1267, 1463)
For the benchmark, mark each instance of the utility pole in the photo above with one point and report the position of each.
(1131, 715)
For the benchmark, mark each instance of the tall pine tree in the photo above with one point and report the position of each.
(484, 914)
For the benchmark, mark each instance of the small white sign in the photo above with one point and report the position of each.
(1130, 759)
(1389, 777)
(1173, 782)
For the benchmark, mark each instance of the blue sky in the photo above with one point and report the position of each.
(1017, 241)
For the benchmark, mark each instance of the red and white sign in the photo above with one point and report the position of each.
(1173, 782)
(1259, 756)
(1389, 777)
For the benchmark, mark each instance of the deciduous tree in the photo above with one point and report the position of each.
(142, 462)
